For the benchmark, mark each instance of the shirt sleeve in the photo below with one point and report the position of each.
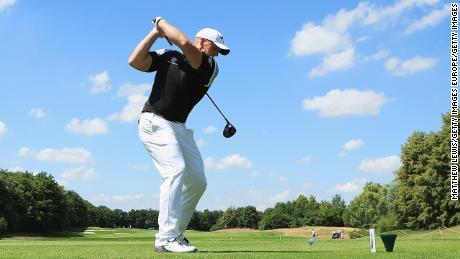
(156, 57)
(208, 70)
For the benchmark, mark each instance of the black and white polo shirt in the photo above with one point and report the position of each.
(178, 87)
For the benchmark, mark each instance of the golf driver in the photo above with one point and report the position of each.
(229, 129)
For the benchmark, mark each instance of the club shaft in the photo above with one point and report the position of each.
(217, 107)
(170, 43)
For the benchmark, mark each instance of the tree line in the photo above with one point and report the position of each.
(37, 203)
(418, 198)
(419, 195)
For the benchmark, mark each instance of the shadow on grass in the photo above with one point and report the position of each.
(76, 232)
(252, 251)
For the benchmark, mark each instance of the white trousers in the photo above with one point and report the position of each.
(178, 160)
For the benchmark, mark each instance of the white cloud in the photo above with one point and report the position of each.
(389, 14)
(305, 160)
(431, 19)
(200, 143)
(348, 102)
(343, 19)
(132, 111)
(65, 155)
(99, 82)
(342, 155)
(282, 178)
(3, 129)
(332, 37)
(379, 55)
(380, 166)
(140, 168)
(88, 127)
(119, 198)
(5, 4)
(280, 197)
(363, 39)
(337, 61)
(80, 173)
(261, 199)
(24, 152)
(234, 160)
(255, 174)
(416, 64)
(135, 94)
(349, 187)
(16, 169)
(210, 129)
(392, 64)
(314, 39)
(36, 113)
(329, 37)
(353, 144)
(129, 89)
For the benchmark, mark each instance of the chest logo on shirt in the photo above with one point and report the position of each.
(173, 60)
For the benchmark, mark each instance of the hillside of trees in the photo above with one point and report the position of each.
(418, 198)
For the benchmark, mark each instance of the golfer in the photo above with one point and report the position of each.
(181, 81)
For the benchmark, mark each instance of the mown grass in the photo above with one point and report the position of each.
(135, 243)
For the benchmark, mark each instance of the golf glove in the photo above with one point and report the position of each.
(156, 20)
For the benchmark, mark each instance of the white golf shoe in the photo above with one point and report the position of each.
(176, 246)
(184, 241)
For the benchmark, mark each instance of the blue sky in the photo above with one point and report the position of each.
(323, 95)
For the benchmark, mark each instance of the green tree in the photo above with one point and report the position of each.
(6, 203)
(195, 222)
(138, 218)
(77, 210)
(273, 218)
(102, 216)
(209, 219)
(423, 199)
(121, 218)
(3, 226)
(389, 221)
(38, 202)
(328, 215)
(248, 217)
(366, 209)
(338, 203)
(49, 209)
(229, 219)
(18, 186)
(152, 219)
(304, 212)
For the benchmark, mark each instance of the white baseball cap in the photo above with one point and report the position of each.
(216, 37)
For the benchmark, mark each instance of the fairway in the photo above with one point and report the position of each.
(135, 243)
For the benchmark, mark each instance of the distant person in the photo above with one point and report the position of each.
(335, 234)
(314, 233)
(181, 81)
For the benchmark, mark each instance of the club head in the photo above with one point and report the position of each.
(229, 130)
